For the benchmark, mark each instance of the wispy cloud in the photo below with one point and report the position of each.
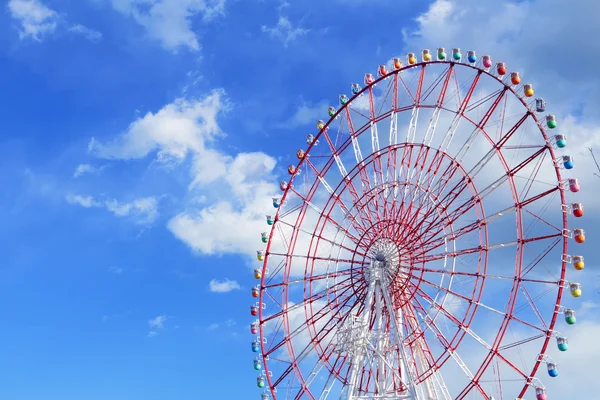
(156, 325)
(116, 270)
(83, 201)
(87, 33)
(223, 286)
(170, 21)
(83, 169)
(37, 21)
(284, 30)
(142, 210)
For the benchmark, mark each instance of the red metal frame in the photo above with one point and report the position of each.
(416, 221)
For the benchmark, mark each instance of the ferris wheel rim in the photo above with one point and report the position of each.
(520, 247)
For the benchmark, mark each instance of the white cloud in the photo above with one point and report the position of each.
(87, 33)
(83, 169)
(157, 323)
(213, 327)
(245, 182)
(224, 286)
(170, 21)
(177, 129)
(36, 19)
(116, 270)
(284, 31)
(83, 201)
(143, 210)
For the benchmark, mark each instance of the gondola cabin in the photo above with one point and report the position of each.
(254, 311)
(369, 78)
(515, 79)
(254, 328)
(356, 88)
(397, 63)
(578, 263)
(276, 202)
(292, 169)
(283, 185)
(562, 343)
(426, 55)
(412, 58)
(574, 185)
(528, 90)
(344, 98)
(300, 153)
(575, 289)
(257, 273)
(552, 369)
(260, 255)
(570, 317)
(577, 209)
(331, 111)
(441, 53)
(382, 70)
(456, 54)
(487, 61)
(255, 346)
(257, 364)
(264, 237)
(260, 381)
(568, 162)
(579, 235)
(472, 56)
(540, 394)
(501, 68)
(264, 396)
(540, 105)
(310, 138)
(270, 220)
(561, 141)
(255, 291)
(551, 121)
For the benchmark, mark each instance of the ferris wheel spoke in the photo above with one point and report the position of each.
(325, 239)
(318, 296)
(479, 127)
(305, 352)
(311, 278)
(493, 351)
(449, 350)
(459, 114)
(455, 192)
(539, 257)
(320, 258)
(344, 173)
(360, 224)
(428, 137)
(521, 342)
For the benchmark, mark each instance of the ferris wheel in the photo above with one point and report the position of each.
(419, 249)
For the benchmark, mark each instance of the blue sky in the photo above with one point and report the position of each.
(106, 271)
